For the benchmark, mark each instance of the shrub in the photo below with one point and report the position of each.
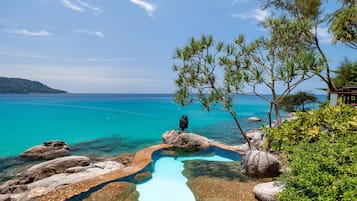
(321, 149)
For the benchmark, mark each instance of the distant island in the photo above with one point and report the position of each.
(24, 86)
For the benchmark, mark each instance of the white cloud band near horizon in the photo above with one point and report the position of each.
(89, 79)
(149, 8)
(26, 32)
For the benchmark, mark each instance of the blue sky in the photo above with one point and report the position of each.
(121, 46)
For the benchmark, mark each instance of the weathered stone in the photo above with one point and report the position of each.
(261, 164)
(55, 166)
(76, 169)
(38, 192)
(125, 159)
(267, 191)
(142, 176)
(5, 197)
(185, 140)
(292, 116)
(256, 134)
(118, 191)
(49, 150)
(254, 119)
(62, 179)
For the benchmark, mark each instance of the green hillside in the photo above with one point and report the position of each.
(23, 86)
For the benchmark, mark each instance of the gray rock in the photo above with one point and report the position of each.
(261, 164)
(254, 119)
(185, 140)
(62, 179)
(49, 150)
(55, 166)
(267, 191)
(256, 134)
(5, 197)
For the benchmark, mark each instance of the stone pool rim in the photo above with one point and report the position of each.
(143, 161)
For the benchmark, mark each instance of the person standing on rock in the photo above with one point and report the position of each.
(184, 122)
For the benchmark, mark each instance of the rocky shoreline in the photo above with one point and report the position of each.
(62, 176)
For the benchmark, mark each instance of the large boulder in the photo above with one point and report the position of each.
(261, 164)
(55, 166)
(48, 150)
(185, 140)
(66, 178)
(267, 191)
(5, 197)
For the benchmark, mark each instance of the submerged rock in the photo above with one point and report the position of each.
(214, 180)
(261, 164)
(185, 140)
(118, 191)
(49, 150)
(267, 191)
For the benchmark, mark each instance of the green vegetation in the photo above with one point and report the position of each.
(344, 23)
(23, 86)
(321, 148)
(297, 101)
(346, 74)
(312, 11)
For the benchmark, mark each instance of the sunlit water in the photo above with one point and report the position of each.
(111, 123)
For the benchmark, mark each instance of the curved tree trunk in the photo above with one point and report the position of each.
(234, 115)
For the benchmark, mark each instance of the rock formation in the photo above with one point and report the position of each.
(49, 150)
(261, 164)
(185, 140)
(47, 176)
(254, 119)
(55, 166)
(267, 191)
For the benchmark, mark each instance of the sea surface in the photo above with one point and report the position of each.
(111, 124)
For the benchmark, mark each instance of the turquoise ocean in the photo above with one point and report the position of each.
(111, 124)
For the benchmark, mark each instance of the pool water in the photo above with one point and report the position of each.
(168, 182)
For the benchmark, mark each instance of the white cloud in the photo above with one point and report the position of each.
(257, 14)
(35, 55)
(81, 6)
(70, 5)
(238, 1)
(149, 8)
(99, 34)
(26, 32)
(95, 10)
(93, 33)
(324, 35)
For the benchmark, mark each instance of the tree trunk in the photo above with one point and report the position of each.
(234, 115)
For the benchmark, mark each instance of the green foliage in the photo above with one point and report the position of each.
(344, 24)
(346, 74)
(297, 102)
(17, 85)
(321, 148)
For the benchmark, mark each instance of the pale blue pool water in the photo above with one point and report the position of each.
(168, 182)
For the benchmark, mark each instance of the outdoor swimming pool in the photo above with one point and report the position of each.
(168, 182)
